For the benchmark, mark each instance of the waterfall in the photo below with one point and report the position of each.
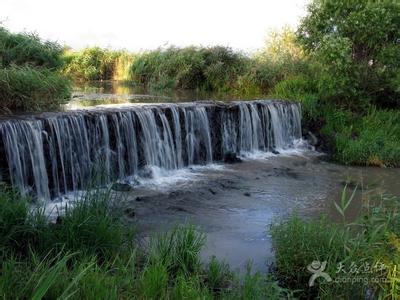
(51, 155)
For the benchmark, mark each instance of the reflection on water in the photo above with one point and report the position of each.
(117, 92)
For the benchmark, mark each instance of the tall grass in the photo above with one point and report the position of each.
(214, 68)
(29, 73)
(91, 254)
(95, 63)
(361, 256)
(28, 49)
(32, 89)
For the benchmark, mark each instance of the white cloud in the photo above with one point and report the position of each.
(148, 24)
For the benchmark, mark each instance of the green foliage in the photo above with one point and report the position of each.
(154, 281)
(372, 239)
(372, 139)
(24, 49)
(97, 64)
(29, 78)
(215, 68)
(357, 44)
(91, 227)
(178, 250)
(30, 89)
(298, 243)
(13, 213)
(90, 254)
(219, 275)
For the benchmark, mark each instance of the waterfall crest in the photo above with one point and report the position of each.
(52, 155)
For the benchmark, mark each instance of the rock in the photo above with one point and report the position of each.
(178, 209)
(212, 191)
(231, 158)
(146, 172)
(312, 139)
(275, 152)
(130, 212)
(122, 187)
(247, 194)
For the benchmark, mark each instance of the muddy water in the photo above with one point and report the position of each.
(235, 204)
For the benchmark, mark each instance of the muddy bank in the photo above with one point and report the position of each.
(234, 204)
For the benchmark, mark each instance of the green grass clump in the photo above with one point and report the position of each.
(373, 139)
(214, 68)
(178, 250)
(32, 89)
(29, 73)
(354, 251)
(95, 63)
(28, 49)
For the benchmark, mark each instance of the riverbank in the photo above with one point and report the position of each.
(89, 253)
(133, 244)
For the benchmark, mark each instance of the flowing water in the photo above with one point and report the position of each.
(171, 156)
(51, 155)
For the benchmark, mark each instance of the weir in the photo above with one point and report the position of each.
(52, 154)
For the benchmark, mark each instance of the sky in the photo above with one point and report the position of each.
(140, 25)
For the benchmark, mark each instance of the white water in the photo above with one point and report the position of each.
(64, 153)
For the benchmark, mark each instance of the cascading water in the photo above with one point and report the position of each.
(48, 156)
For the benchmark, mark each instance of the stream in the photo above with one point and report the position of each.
(174, 162)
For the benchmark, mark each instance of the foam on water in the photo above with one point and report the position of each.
(57, 154)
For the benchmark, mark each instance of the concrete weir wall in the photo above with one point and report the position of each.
(52, 154)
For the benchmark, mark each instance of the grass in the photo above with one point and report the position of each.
(214, 68)
(28, 49)
(95, 63)
(29, 73)
(361, 256)
(91, 254)
(32, 89)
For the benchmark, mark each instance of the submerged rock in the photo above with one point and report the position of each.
(275, 152)
(146, 172)
(231, 158)
(130, 212)
(122, 187)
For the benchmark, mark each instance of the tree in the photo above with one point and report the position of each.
(358, 44)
